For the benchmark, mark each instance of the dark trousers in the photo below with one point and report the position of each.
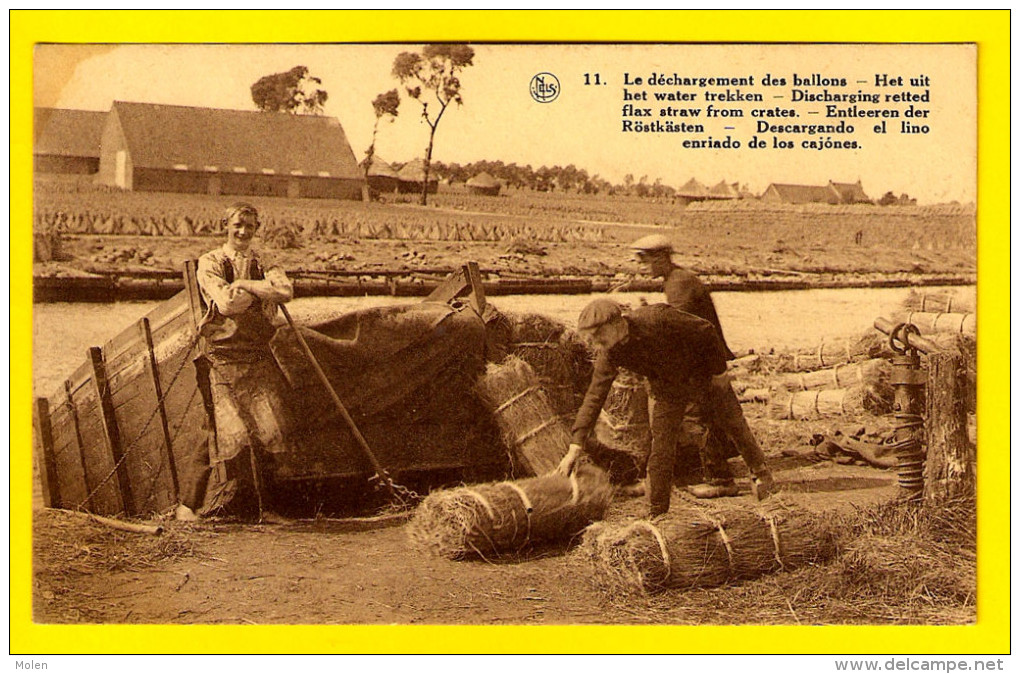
(725, 418)
(672, 434)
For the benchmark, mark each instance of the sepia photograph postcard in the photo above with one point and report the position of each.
(483, 331)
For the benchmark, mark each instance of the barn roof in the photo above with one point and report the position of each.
(723, 190)
(805, 194)
(692, 188)
(176, 136)
(414, 172)
(483, 179)
(850, 193)
(69, 133)
(378, 168)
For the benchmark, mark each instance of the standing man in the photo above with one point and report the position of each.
(243, 388)
(721, 410)
(677, 352)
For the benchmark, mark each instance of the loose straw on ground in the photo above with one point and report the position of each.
(697, 547)
(490, 520)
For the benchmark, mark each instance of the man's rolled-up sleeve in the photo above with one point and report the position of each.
(229, 300)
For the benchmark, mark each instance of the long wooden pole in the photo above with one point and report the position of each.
(366, 450)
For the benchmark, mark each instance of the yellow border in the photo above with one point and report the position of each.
(989, 29)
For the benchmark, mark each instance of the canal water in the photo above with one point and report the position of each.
(62, 332)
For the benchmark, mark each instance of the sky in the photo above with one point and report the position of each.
(584, 124)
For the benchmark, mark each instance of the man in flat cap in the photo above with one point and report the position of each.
(678, 353)
(722, 412)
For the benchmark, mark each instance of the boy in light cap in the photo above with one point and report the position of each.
(729, 432)
(677, 352)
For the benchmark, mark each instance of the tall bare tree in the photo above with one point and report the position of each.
(433, 70)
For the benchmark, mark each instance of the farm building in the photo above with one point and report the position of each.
(67, 141)
(851, 193)
(171, 148)
(723, 190)
(693, 190)
(412, 175)
(483, 183)
(382, 179)
(833, 193)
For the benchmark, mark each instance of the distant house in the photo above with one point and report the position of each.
(483, 183)
(833, 193)
(412, 176)
(67, 141)
(382, 179)
(723, 190)
(851, 193)
(171, 148)
(693, 190)
(800, 194)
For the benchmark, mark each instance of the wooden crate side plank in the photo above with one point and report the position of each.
(104, 496)
(184, 409)
(137, 416)
(157, 385)
(67, 452)
(45, 454)
(169, 311)
(111, 432)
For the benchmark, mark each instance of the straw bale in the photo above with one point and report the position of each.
(501, 518)
(874, 372)
(624, 421)
(944, 301)
(931, 322)
(559, 357)
(700, 547)
(536, 436)
(828, 403)
(828, 353)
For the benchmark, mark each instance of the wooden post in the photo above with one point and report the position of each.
(110, 428)
(146, 331)
(194, 294)
(72, 408)
(950, 466)
(474, 277)
(47, 457)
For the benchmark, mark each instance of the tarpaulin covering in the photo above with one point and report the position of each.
(406, 375)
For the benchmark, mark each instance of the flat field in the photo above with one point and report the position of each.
(523, 232)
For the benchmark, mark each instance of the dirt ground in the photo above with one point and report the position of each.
(348, 572)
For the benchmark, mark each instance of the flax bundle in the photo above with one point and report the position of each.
(698, 547)
(536, 436)
(874, 372)
(493, 519)
(836, 402)
(828, 353)
(624, 421)
(945, 301)
(558, 356)
(930, 322)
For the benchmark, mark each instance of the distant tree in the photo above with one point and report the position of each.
(888, 199)
(434, 69)
(292, 91)
(384, 105)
